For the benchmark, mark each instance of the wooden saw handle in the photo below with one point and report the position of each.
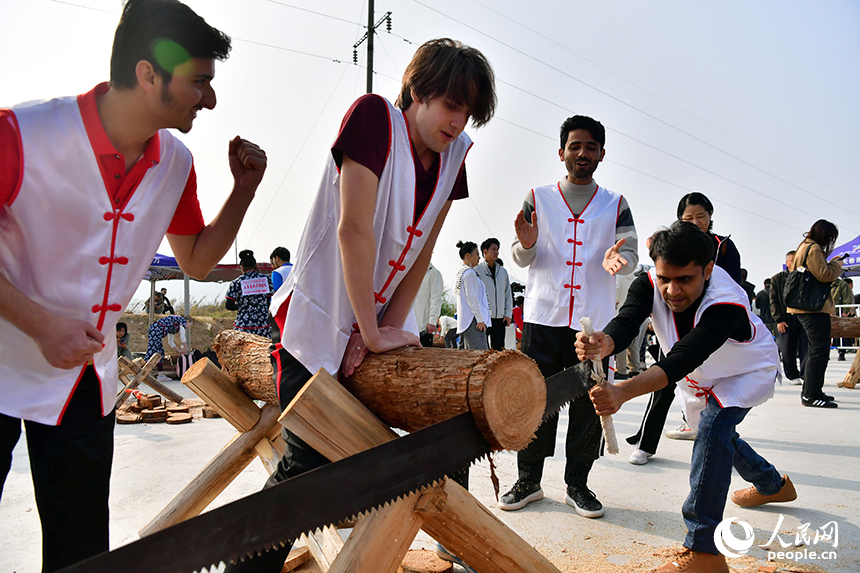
(600, 377)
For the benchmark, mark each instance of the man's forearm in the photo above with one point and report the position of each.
(198, 254)
(649, 381)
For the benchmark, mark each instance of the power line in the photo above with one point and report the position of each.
(283, 49)
(296, 157)
(85, 7)
(631, 106)
(314, 12)
(646, 90)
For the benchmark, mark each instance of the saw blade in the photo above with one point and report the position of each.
(279, 514)
(566, 386)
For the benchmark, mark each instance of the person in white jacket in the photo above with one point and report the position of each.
(499, 294)
(473, 310)
(428, 305)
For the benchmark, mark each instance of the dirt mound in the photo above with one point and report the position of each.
(204, 329)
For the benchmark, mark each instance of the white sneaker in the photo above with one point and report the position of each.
(684, 432)
(796, 381)
(639, 457)
(162, 377)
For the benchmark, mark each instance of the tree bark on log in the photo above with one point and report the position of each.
(412, 388)
(844, 327)
(246, 359)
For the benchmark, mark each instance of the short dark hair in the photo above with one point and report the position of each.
(122, 325)
(247, 260)
(790, 253)
(825, 234)
(445, 67)
(849, 281)
(767, 282)
(592, 126)
(489, 243)
(681, 244)
(165, 33)
(696, 198)
(466, 248)
(282, 253)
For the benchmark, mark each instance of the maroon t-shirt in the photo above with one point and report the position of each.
(364, 137)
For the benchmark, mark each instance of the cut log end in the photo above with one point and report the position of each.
(507, 397)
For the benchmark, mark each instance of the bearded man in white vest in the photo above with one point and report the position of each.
(391, 176)
(99, 177)
(574, 236)
(724, 361)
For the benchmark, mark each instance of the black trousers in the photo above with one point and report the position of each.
(552, 348)
(792, 346)
(651, 428)
(70, 465)
(496, 332)
(817, 328)
(426, 339)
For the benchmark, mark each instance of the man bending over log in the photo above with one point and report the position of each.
(390, 179)
(105, 201)
(725, 362)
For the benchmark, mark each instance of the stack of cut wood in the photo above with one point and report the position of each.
(150, 408)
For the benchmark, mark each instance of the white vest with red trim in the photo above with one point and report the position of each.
(567, 280)
(738, 374)
(65, 245)
(320, 318)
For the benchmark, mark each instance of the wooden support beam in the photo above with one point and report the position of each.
(381, 539)
(152, 382)
(125, 368)
(333, 422)
(217, 474)
(324, 544)
(853, 375)
(213, 385)
(296, 558)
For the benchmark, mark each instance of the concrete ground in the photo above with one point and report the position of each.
(818, 449)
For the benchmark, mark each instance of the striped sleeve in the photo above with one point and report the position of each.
(625, 229)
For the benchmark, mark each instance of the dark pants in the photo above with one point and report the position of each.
(651, 429)
(70, 465)
(792, 345)
(451, 338)
(817, 328)
(717, 449)
(552, 348)
(496, 332)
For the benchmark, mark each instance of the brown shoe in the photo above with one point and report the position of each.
(689, 561)
(750, 497)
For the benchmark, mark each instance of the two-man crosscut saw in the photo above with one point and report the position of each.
(277, 515)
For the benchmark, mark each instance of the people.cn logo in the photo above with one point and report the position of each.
(727, 543)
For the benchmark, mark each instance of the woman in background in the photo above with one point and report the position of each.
(473, 309)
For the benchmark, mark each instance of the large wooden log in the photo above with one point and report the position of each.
(412, 388)
(844, 327)
(245, 357)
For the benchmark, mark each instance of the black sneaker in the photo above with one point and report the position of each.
(826, 397)
(583, 501)
(817, 403)
(523, 493)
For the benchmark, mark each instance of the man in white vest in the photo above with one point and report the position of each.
(724, 361)
(99, 177)
(499, 294)
(574, 236)
(392, 173)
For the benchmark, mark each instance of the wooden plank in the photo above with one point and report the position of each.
(466, 528)
(218, 390)
(324, 544)
(332, 421)
(380, 540)
(217, 474)
(296, 558)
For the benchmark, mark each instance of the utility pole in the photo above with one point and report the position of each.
(371, 30)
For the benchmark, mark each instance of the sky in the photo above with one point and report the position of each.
(753, 104)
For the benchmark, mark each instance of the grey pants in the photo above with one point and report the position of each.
(474, 339)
